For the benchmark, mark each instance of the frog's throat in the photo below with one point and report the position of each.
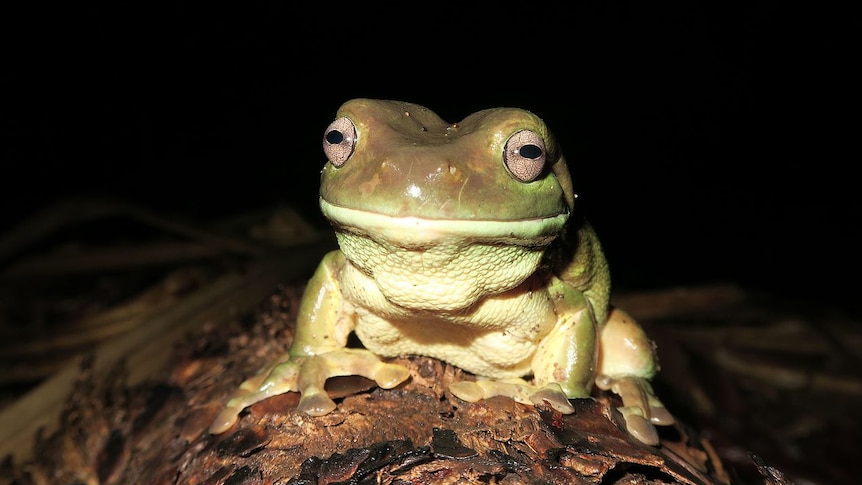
(410, 231)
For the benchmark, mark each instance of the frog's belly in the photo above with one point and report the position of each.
(497, 337)
(490, 353)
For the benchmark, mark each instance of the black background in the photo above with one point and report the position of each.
(708, 143)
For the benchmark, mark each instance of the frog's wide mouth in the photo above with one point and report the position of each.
(417, 230)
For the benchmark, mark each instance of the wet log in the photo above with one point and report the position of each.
(155, 431)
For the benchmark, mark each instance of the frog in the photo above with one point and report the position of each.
(460, 242)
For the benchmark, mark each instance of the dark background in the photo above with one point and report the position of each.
(708, 143)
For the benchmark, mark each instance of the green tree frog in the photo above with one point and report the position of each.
(459, 241)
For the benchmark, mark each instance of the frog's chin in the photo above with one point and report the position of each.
(418, 231)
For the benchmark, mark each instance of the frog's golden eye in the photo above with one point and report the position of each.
(339, 140)
(524, 155)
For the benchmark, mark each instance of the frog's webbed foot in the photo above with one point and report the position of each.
(308, 375)
(517, 389)
(641, 409)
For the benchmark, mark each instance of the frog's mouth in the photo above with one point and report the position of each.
(441, 264)
(418, 231)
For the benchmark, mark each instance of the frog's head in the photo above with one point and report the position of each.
(409, 193)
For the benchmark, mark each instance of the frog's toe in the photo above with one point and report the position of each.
(641, 408)
(639, 427)
(388, 376)
(553, 395)
(225, 419)
(230, 414)
(467, 391)
(315, 404)
(660, 415)
(487, 388)
(516, 389)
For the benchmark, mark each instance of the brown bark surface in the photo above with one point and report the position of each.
(156, 432)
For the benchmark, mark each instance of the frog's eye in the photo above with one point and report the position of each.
(339, 140)
(524, 155)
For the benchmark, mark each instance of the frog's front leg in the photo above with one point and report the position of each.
(626, 363)
(563, 365)
(317, 353)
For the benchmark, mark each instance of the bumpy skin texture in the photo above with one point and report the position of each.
(458, 242)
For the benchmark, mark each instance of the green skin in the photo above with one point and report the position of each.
(450, 250)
